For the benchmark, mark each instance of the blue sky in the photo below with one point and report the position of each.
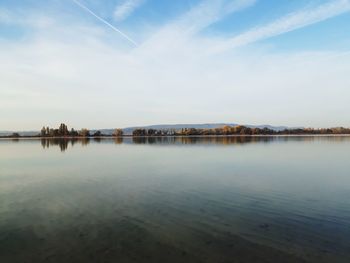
(120, 63)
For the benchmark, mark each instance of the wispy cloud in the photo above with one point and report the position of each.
(286, 24)
(105, 22)
(21, 18)
(208, 12)
(125, 9)
(4, 16)
(201, 16)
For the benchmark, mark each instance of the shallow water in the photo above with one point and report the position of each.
(218, 199)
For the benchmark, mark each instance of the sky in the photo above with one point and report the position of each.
(119, 63)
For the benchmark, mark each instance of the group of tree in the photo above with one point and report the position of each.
(238, 130)
(63, 131)
(153, 132)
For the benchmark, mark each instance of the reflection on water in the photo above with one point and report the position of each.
(63, 143)
(175, 199)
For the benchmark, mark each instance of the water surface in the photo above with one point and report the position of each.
(215, 199)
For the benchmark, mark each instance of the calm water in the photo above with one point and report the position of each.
(283, 199)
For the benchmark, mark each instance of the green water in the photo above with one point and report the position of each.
(225, 199)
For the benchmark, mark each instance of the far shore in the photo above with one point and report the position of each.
(171, 136)
(62, 132)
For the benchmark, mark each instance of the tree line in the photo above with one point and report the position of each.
(63, 131)
(239, 130)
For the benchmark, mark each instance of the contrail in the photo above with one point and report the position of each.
(105, 22)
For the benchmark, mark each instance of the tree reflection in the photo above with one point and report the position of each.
(223, 140)
(118, 140)
(65, 143)
(62, 143)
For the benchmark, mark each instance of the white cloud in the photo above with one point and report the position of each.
(50, 80)
(125, 9)
(286, 24)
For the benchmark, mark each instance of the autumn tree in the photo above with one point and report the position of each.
(84, 132)
(118, 133)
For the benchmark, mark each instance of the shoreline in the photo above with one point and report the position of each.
(170, 136)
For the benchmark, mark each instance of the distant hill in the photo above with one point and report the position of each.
(129, 130)
(22, 133)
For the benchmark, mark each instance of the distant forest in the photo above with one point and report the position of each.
(63, 131)
(239, 130)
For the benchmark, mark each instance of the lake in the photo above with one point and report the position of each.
(213, 199)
